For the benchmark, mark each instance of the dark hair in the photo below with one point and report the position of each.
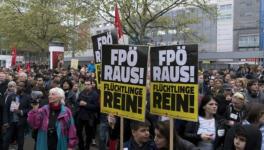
(240, 131)
(69, 82)
(39, 76)
(251, 82)
(261, 80)
(164, 129)
(206, 99)
(56, 82)
(135, 125)
(255, 112)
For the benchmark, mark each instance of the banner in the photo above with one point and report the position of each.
(74, 63)
(174, 86)
(123, 82)
(98, 41)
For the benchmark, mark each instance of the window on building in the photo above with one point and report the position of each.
(226, 7)
(248, 41)
(224, 17)
(2, 63)
(172, 31)
(160, 32)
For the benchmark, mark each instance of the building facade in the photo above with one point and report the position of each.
(246, 25)
(225, 23)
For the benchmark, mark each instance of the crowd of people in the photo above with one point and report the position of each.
(60, 109)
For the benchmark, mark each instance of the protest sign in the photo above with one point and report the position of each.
(74, 63)
(174, 86)
(98, 40)
(123, 82)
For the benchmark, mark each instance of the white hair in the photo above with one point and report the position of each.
(11, 83)
(59, 92)
(22, 74)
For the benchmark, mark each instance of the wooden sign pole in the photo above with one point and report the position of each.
(121, 133)
(171, 133)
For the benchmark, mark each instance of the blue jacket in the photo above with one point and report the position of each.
(91, 68)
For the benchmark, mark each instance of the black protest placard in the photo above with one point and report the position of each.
(174, 64)
(174, 85)
(123, 80)
(99, 40)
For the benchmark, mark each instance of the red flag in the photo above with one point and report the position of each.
(28, 67)
(118, 23)
(18, 68)
(13, 56)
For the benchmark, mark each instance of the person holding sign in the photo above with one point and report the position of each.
(207, 132)
(162, 138)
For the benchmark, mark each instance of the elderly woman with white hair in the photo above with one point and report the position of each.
(55, 124)
(11, 89)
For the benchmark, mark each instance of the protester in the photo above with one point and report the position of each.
(217, 90)
(224, 100)
(162, 138)
(70, 98)
(243, 137)
(140, 139)
(75, 90)
(91, 67)
(40, 86)
(22, 76)
(15, 116)
(54, 122)
(255, 117)
(236, 110)
(234, 95)
(11, 89)
(86, 115)
(253, 93)
(207, 132)
(240, 85)
(3, 87)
